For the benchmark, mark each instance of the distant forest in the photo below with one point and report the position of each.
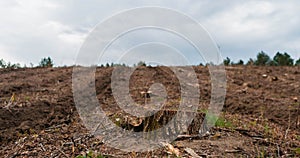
(262, 59)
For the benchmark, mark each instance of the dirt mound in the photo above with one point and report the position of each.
(18, 121)
(260, 116)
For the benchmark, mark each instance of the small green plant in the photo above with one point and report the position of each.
(218, 121)
(253, 123)
(90, 154)
(289, 122)
(267, 129)
(221, 122)
(117, 120)
(261, 153)
(27, 98)
(297, 151)
(297, 105)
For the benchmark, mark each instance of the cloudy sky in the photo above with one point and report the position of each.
(33, 29)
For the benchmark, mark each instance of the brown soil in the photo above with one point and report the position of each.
(260, 118)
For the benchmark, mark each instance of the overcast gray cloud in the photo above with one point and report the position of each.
(32, 29)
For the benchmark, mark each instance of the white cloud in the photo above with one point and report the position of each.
(30, 33)
(30, 30)
(244, 29)
(64, 33)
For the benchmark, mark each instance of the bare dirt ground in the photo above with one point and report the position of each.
(260, 118)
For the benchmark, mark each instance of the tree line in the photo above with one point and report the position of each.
(48, 62)
(44, 62)
(263, 59)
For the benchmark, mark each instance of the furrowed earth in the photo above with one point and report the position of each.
(260, 117)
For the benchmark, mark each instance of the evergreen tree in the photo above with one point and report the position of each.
(250, 62)
(298, 62)
(46, 62)
(283, 59)
(227, 61)
(2, 63)
(240, 62)
(141, 63)
(262, 59)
